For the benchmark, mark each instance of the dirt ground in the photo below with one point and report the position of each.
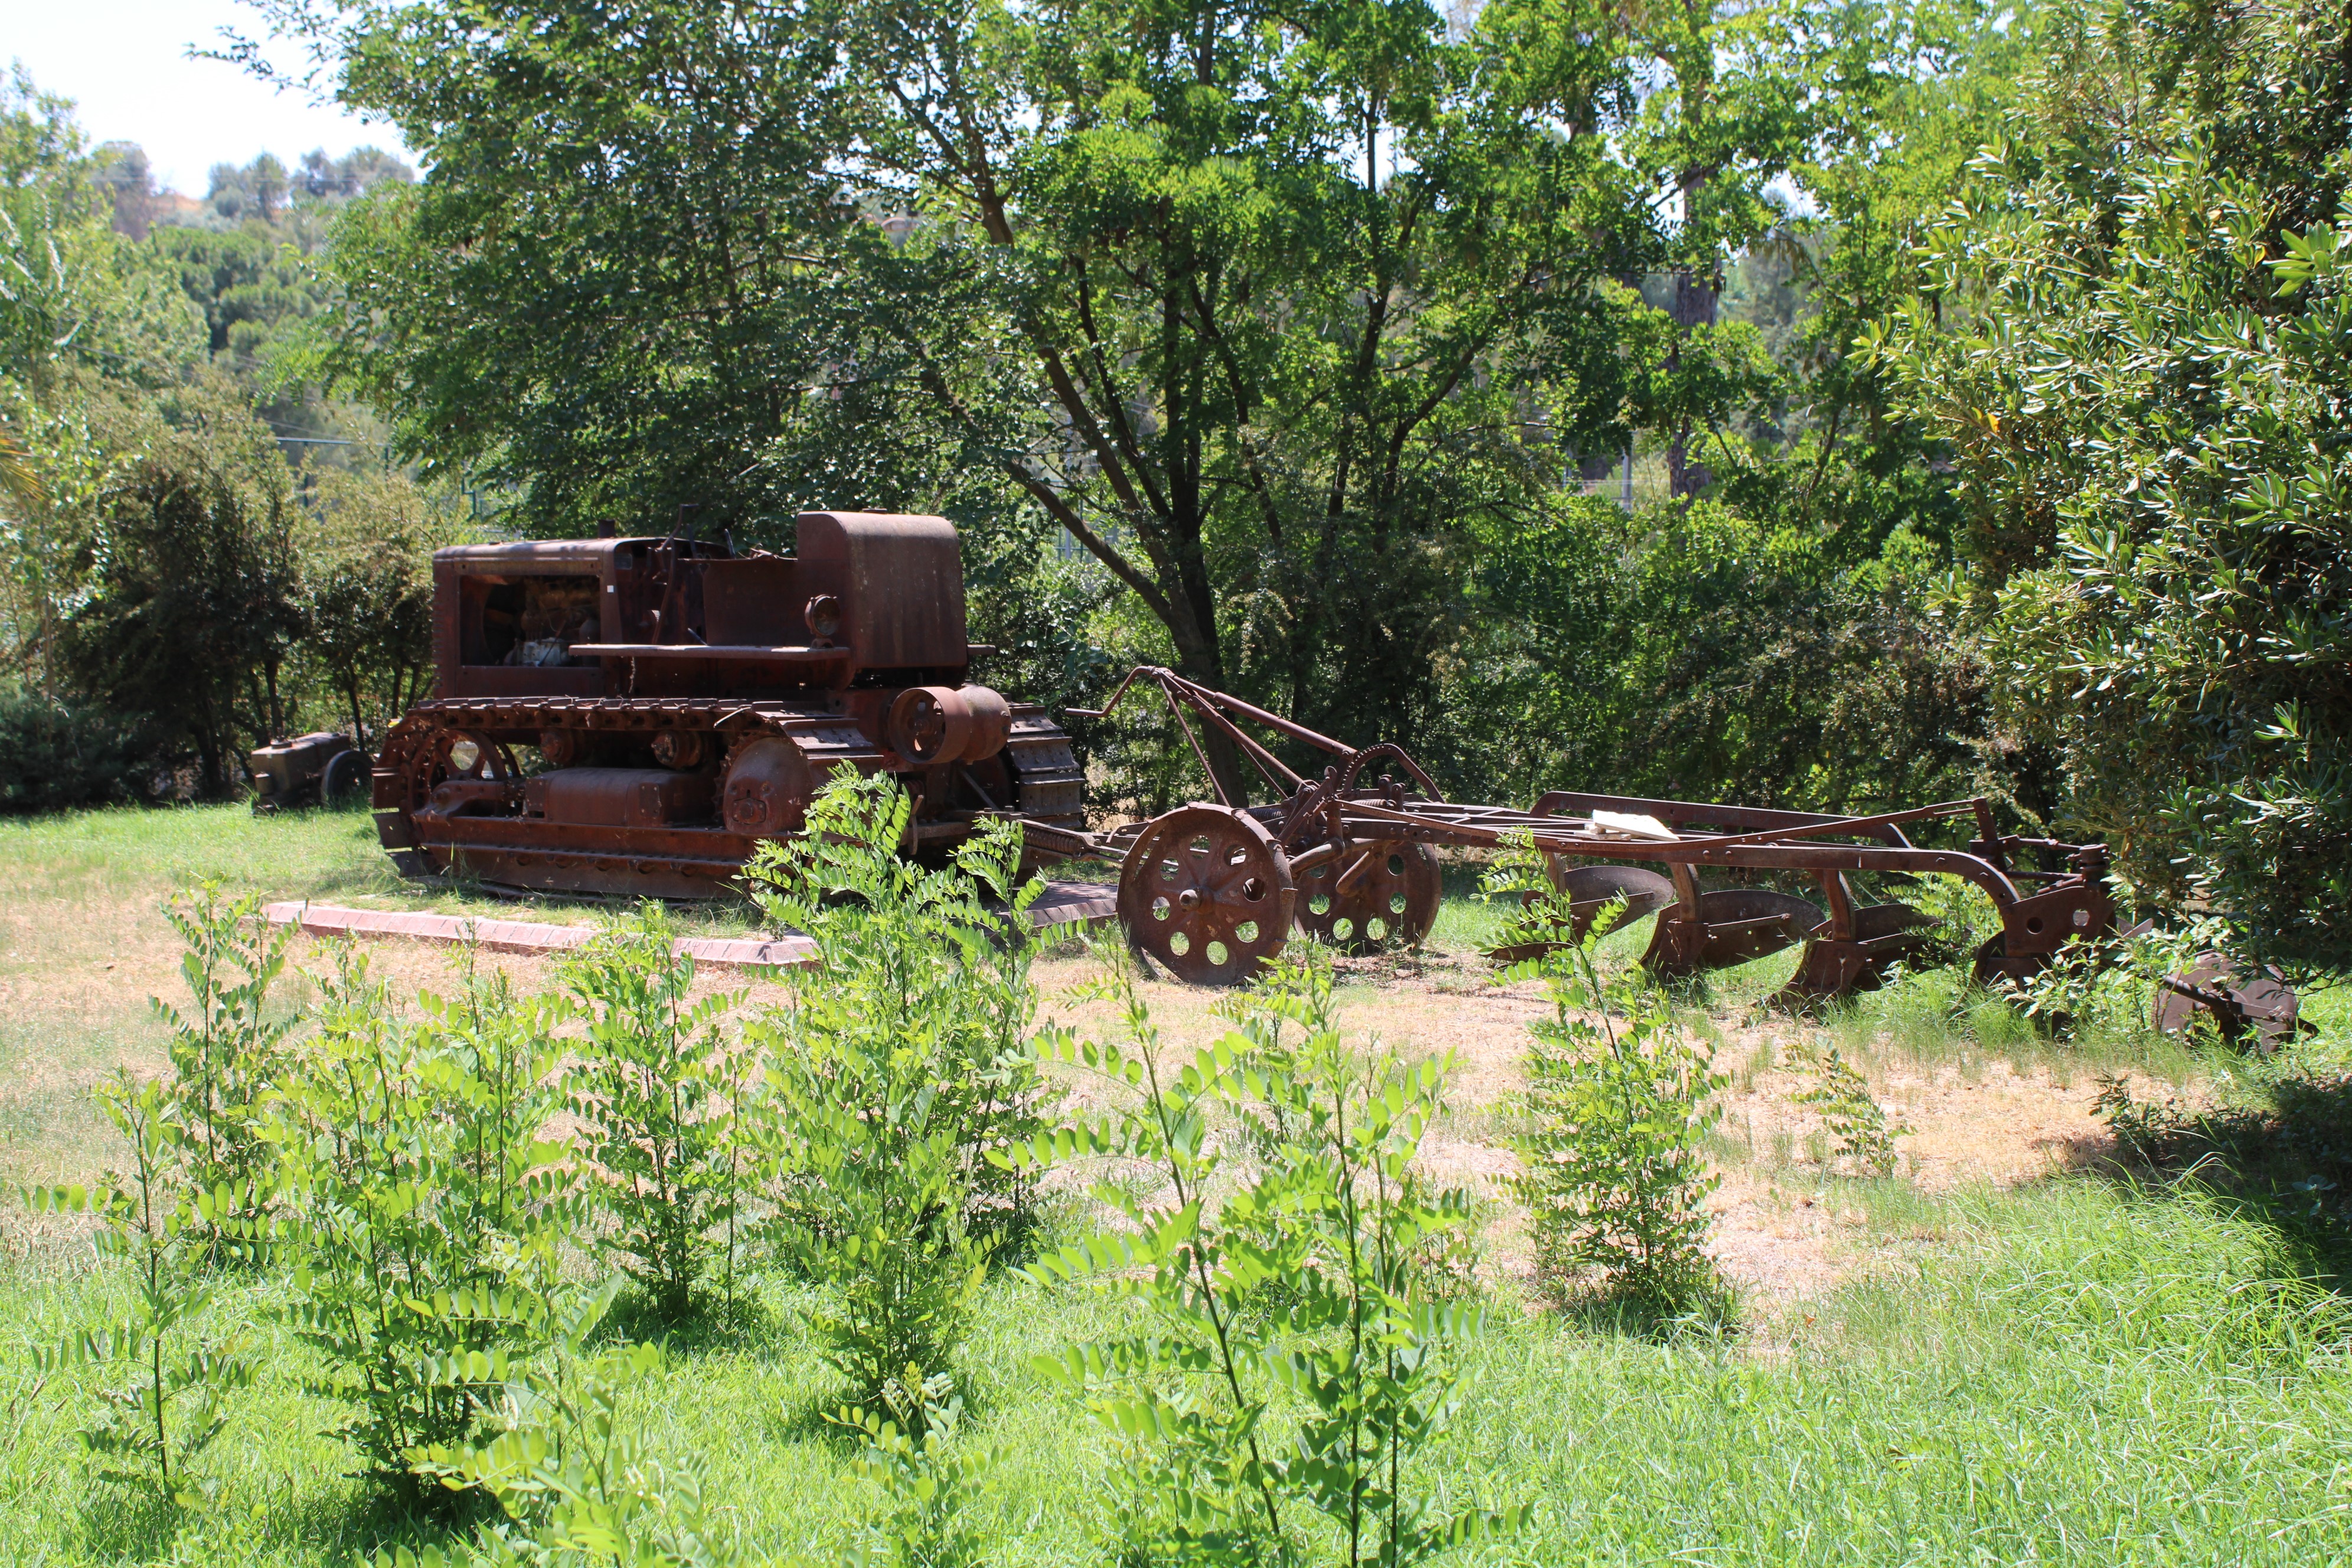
(77, 969)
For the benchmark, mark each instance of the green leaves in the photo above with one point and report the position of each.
(423, 1204)
(658, 1095)
(165, 1407)
(900, 1118)
(1298, 1352)
(1842, 1100)
(2137, 354)
(1618, 1109)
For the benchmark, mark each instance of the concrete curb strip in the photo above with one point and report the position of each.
(1063, 903)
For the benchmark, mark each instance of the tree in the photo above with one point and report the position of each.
(188, 599)
(1255, 305)
(2143, 398)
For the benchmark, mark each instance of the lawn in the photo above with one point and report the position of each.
(2018, 1348)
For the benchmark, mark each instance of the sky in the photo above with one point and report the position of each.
(125, 64)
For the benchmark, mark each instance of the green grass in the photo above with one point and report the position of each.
(2082, 1373)
(2082, 1370)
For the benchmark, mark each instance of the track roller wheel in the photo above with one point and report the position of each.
(1207, 893)
(1372, 896)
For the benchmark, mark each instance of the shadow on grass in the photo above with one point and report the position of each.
(1704, 1308)
(717, 1322)
(809, 1419)
(356, 1518)
(2285, 1161)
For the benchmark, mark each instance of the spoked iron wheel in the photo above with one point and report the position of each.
(461, 754)
(1371, 895)
(439, 756)
(1208, 894)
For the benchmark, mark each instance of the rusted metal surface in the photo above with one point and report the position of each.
(1592, 887)
(1383, 893)
(1651, 853)
(1207, 893)
(632, 715)
(319, 769)
(2258, 1009)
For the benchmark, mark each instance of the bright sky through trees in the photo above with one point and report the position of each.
(125, 63)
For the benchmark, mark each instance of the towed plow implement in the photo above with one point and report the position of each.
(1211, 891)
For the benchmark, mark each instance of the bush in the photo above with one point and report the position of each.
(1618, 1106)
(655, 1096)
(421, 1207)
(575, 1485)
(56, 755)
(1843, 1100)
(1297, 1274)
(227, 1053)
(898, 1068)
(167, 1407)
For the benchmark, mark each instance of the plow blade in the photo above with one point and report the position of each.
(1734, 925)
(1881, 933)
(1590, 888)
(2261, 1003)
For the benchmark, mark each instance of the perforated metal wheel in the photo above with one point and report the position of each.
(1371, 895)
(1207, 894)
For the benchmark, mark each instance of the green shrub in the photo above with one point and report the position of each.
(898, 1068)
(655, 1091)
(575, 1484)
(56, 755)
(167, 1408)
(228, 1052)
(1281, 1268)
(1859, 1123)
(422, 1208)
(929, 1482)
(1618, 1107)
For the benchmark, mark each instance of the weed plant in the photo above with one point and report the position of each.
(898, 1068)
(1619, 1108)
(1841, 1097)
(167, 1406)
(422, 1212)
(1287, 1357)
(227, 1051)
(574, 1478)
(655, 1093)
(929, 1481)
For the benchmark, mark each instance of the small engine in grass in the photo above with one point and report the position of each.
(319, 769)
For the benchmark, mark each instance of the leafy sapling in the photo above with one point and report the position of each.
(423, 1206)
(656, 1097)
(928, 1480)
(1284, 1264)
(1618, 1104)
(227, 1048)
(574, 1481)
(1865, 1136)
(168, 1405)
(899, 1067)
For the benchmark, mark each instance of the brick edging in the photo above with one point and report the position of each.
(1063, 903)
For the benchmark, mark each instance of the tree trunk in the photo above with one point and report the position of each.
(1694, 307)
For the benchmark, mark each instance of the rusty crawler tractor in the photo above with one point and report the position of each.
(1211, 891)
(685, 702)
